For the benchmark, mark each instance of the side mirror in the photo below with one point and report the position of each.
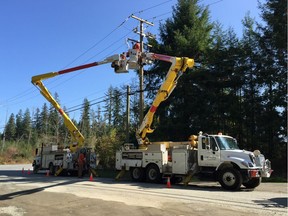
(207, 143)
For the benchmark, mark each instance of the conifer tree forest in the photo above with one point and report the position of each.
(239, 88)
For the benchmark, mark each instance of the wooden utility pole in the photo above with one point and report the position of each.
(127, 113)
(141, 70)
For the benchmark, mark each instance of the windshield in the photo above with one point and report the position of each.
(226, 143)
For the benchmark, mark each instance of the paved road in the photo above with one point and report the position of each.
(29, 194)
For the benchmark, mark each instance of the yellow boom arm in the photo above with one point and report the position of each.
(178, 67)
(77, 139)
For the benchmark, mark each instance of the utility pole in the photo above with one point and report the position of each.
(141, 70)
(127, 113)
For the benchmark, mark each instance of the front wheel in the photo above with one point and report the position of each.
(230, 179)
(253, 183)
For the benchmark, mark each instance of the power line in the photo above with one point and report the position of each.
(81, 106)
(29, 91)
(141, 11)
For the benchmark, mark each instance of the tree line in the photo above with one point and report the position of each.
(238, 88)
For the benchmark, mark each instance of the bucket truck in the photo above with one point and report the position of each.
(217, 156)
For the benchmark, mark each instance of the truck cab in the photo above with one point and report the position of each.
(219, 154)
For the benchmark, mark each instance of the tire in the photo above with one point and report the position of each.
(176, 180)
(137, 174)
(230, 179)
(253, 183)
(153, 174)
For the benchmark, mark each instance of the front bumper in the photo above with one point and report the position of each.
(264, 171)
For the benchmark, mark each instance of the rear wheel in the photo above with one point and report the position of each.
(153, 174)
(252, 183)
(230, 179)
(137, 173)
(176, 180)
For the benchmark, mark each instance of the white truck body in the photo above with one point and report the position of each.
(228, 164)
(51, 158)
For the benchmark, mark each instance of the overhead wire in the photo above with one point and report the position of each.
(30, 90)
(160, 4)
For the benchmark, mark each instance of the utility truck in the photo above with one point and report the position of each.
(216, 156)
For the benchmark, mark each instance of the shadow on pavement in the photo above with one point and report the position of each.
(277, 202)
(31, 191)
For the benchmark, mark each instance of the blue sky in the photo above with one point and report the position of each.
(44, 36)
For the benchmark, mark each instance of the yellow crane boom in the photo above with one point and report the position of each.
(177, 68)
(77, 139)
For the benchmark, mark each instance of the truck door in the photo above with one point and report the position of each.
(208, 152)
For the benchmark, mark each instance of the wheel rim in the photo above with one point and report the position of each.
(229, 178)
(152, 174)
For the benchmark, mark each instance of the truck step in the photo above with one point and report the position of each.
(59, 171)
(93, 171)
(188, 177)
(120, 174)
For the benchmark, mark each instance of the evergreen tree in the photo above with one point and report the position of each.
(220, 85)
(187, 33)
(273, 43)
(117, 110)
(85, 120)
(54, 121)
(10, 128)
(251, 88)
(37, 121)
(19, 125)
(27, 126)
(108, 106)
(63, 131)
(44, 116)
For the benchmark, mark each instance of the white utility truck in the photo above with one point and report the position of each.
(216, 155)
(56, 160)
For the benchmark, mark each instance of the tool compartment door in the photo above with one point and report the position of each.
(179, 161)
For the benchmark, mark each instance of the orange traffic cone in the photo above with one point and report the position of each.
(47, 173)
(91, 177)
(168, 183)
